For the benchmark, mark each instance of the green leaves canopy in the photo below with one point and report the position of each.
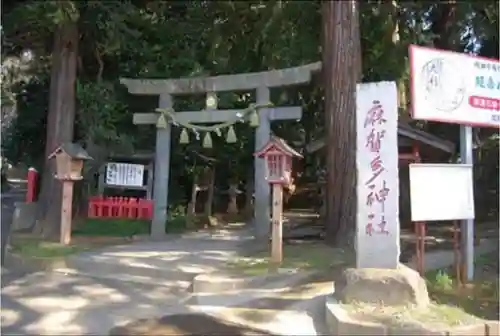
(172, 39)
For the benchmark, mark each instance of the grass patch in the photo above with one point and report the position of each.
(125, 227)
(479, 298)
(303, 256)
(434, 316)
(39, 249)
(94, 233)
(112, 227)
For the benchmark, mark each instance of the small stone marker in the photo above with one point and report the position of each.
(377, 237)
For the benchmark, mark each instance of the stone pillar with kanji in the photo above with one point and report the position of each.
(279, 157)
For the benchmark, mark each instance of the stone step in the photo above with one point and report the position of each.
(258, 291)
(292, 306)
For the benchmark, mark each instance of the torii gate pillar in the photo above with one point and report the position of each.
(262, 82)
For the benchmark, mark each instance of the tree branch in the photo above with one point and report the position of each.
(100, 62)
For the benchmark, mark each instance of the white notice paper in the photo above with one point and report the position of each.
(377, 237)
(124, 174)
(441, 191)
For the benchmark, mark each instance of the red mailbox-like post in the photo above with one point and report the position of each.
(31, 185)
(279, 157)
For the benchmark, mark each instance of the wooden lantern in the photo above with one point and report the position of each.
(69, 164)
(279, 156)
(69, 161)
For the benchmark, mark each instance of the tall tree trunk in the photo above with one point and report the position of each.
(342, 71)
(60, 123)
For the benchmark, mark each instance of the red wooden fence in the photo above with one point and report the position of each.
(120, 207)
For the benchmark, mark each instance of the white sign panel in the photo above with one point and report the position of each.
(454, 87)
(441, 192)
(377, 238)
(124, 174)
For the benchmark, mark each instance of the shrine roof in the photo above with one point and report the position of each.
(405, 131)
(73, 150)
(280, 144)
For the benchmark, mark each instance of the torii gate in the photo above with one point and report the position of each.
(262, 82)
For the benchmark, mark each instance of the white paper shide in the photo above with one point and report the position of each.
(377, 175)
(124, 174)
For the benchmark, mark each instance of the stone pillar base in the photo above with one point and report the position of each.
(392, 287)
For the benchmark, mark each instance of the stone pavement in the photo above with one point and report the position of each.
(147, 279)
(174, 262)
(101, 289)
(45, 303)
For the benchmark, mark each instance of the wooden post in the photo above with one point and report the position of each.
(69, 160)
(277, 229)
(66, 209)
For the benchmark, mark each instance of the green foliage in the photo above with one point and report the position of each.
(172, 39)
(176, 223)
(102, 116)
(38, 249)
(112, 227)
(442, 281)
(24, 138)
(29, 24)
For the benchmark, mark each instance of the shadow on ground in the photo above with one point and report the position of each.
(186, 325)
(49, 303)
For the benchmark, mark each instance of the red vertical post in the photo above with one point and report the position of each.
(31, 187)
(419, 226)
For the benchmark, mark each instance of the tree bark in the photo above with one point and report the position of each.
(341, 71)
(60, 123)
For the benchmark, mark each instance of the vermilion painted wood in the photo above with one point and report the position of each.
(120, 207)
(31, 186)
